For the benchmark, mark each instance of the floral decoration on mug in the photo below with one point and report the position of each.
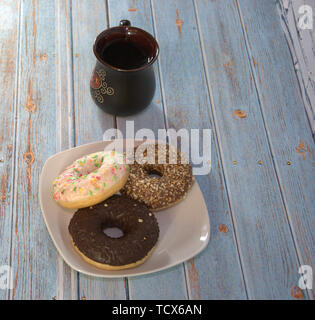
(99, 85)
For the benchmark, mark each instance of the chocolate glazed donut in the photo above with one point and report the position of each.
(139, 226)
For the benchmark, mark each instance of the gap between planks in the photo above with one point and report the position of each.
(15, 110)
(166, 124)
(213, 117)
(64, 104)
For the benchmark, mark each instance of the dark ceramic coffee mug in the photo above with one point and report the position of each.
(123, 81)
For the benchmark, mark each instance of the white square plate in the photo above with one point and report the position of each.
(184, 228)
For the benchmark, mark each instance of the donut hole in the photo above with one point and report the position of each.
(154, 174)
(113, 232)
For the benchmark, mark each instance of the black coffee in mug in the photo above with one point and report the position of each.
(123, 81)
(125, 54)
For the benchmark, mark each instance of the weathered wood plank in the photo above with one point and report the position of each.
(279, 138)
(9, 26)
(66, 276)
(88, 20)
(33, 253)
(216, 272)
(169, 284)
(286, 122)
(267, 251)
(301, 43)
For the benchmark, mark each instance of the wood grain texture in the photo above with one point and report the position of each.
(33, 255)
(239, 67)
(88, 20)
(285, 119)
(169, 284)
(216, 272)
(266, 246)
(66, 276)
(301, 43)
(9, 22)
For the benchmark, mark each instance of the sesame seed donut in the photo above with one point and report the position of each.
(172, 184)
(90, 179)
(139, 227)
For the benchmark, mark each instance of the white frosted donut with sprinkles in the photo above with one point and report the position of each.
(91, 179)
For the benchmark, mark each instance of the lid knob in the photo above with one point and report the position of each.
(124, 23)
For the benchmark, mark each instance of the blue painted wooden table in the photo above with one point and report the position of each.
(239, 67)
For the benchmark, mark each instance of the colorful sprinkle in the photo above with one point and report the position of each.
(75, 189)
(63, 191)
(104, 184)
(93, 181)
(91, 193)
